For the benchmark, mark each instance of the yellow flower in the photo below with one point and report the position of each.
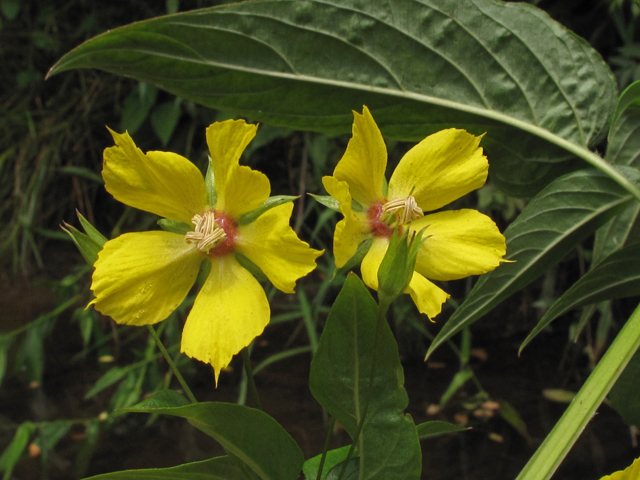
(441, 168)
(140, 278)
(632, 472)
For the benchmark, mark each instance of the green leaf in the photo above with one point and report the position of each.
(249, 434)
(388, 444)
(92, 231)
(174, 226)
(563, 214)
(457, 382)
(507, 69)
(625, 396)
(165, 399)
(436, 428)
(511, 415)
(10, 8)
(87, 247)
(137, 107)
(334, 457)
(356, 260)
(5, 344)
(164, 119)
(218, 468)
(12, 453)
(617, 276)
(50, 433)
(269, 203)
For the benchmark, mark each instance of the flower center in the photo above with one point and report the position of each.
(214, 233)
(384, 217)
(402, 210)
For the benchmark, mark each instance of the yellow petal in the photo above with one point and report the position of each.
(272, 245)
(427, 296)
(458, 244)
(632, 472)
(372, 260)
(163, 183)
(140, 278)
(350, 231)
(240, 189)
(229, 312)
(441, 168)
(365, 160)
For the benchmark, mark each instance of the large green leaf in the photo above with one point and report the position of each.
(617, 276)
(246, 433)
(507, 69)
(218, 468)
(564, 213)
(388, 444)
(623, 149)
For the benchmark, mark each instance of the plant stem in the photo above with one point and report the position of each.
(249, 371)
(564, 434)
(172, 365)
(326, 448)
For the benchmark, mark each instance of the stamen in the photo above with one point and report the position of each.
(405, 209)
(207, 233)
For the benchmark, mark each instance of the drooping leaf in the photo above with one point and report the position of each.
(617, 276)
(218, 468)
(14, 451)
(388, 445)
(334, 457)
(246, 433)
(564, 213)
(436, 428)
(420, 66)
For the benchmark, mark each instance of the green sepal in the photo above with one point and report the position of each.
(174, 226)
(328, 201)
(92, 231)
(252, 267)
(269, 203)
(210, 184)
(86, 245)
(357, 258)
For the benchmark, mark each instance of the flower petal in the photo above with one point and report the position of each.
(427, 296)
(240, 189)
(441, 168)
(272, 245)
(140, 278)
(163, 183)
(353, 229)
(364, 163)
(458, 244)
(229, 312)
(372, 260)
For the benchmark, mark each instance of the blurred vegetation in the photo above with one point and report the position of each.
(51, 148)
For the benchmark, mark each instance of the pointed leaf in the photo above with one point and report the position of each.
(328, 201)
(334, 457)
(617, 276)
(92, 231)
(563, 214)
(388, 444)
(503, 68)
(436, 428)
(88, 248)
(249, 434)
(218, 468)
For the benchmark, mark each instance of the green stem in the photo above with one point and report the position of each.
(564, 434)
(249, 372)
(384, 304)
(326, 448)
(172, 365)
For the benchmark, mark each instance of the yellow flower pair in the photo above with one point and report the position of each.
(140, 278)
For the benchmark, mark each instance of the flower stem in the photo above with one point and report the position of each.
(564, 434)
(249, 372)
(172, 365)
(326, 448)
